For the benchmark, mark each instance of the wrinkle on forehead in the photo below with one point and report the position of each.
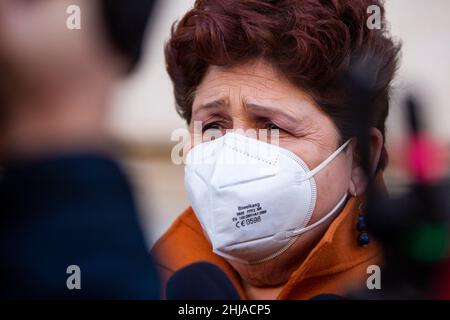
(257, 82)
(259, 76)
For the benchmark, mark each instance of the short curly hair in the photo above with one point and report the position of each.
(312, 43)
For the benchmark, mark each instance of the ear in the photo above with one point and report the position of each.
(358, 181)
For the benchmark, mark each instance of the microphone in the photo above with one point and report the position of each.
(328, 296)
(201, 281)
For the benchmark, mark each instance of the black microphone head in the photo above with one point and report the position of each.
(328, 296)
(201, 281)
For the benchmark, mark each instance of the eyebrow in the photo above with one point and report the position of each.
(267, 111)
(255, 109)
(216, 104)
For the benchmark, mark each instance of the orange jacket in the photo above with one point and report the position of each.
(335, 264)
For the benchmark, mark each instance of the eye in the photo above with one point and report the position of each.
(213, 125)
(272, 126)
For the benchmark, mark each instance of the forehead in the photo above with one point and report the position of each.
(256, 80)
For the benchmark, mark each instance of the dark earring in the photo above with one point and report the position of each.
(363, 237)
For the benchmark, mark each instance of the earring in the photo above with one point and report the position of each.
(363, 237)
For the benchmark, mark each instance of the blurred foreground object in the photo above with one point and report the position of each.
(71, 210)
(413, 228)
(69, 226)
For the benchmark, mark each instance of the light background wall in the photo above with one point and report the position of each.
(144, 116)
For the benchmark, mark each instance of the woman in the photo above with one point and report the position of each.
(277, 65)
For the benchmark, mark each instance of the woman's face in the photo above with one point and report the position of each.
(255, 96)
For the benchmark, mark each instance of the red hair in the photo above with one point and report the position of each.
(312, 43)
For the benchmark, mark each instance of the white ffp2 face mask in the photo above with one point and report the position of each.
(252, 198)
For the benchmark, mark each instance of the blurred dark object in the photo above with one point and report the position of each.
(412, 228)
(63, 200)
(328, 296)
(126, 23)
(71, 210)
(201, 281)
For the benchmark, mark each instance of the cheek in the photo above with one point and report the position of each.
(332, 183)
(197, 137)
(189, 143)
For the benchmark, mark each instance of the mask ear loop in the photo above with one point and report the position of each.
(326, 162)
(338, 207)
